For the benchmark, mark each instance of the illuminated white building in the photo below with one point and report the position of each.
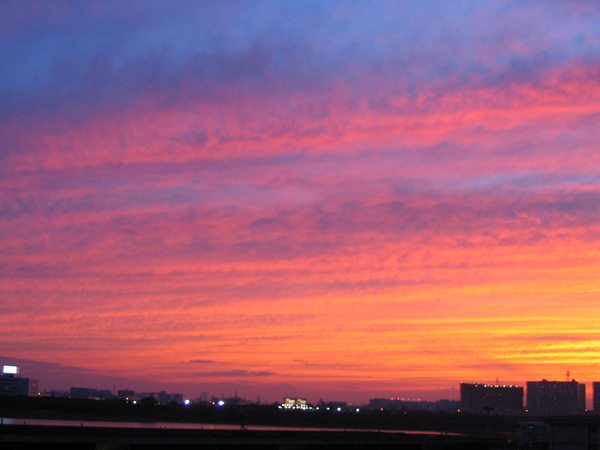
(12, 384)
(294, 403)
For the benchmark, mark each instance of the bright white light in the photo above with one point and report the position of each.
(221, 403)
(135, 402)
(10, 370)
(339, 409)
(186, 403)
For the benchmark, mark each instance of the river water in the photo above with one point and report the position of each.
(188, 426)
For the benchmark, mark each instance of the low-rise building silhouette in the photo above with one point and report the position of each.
(534, 435)
(90, 393)
(125, 394)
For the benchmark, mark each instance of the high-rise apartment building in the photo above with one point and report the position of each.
(489, 398)
(555, 397)
(596, 397)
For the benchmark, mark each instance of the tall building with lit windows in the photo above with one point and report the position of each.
(555, 397)
(12, 384)
(480, 398)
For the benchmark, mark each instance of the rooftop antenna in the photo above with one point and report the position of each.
(497, 382)
(568, 375)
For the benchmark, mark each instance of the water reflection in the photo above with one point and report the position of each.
(190, 426)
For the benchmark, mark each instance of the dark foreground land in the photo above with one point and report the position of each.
(33, 437)
(333, 429)
(148, 411)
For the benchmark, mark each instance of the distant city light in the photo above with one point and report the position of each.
(220, 403)
(186, 402)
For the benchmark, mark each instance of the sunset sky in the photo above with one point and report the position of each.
(339, 200)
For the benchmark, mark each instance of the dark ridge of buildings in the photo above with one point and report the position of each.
(596, 403)
(162, 397)
(401, 404)
(80, 392)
